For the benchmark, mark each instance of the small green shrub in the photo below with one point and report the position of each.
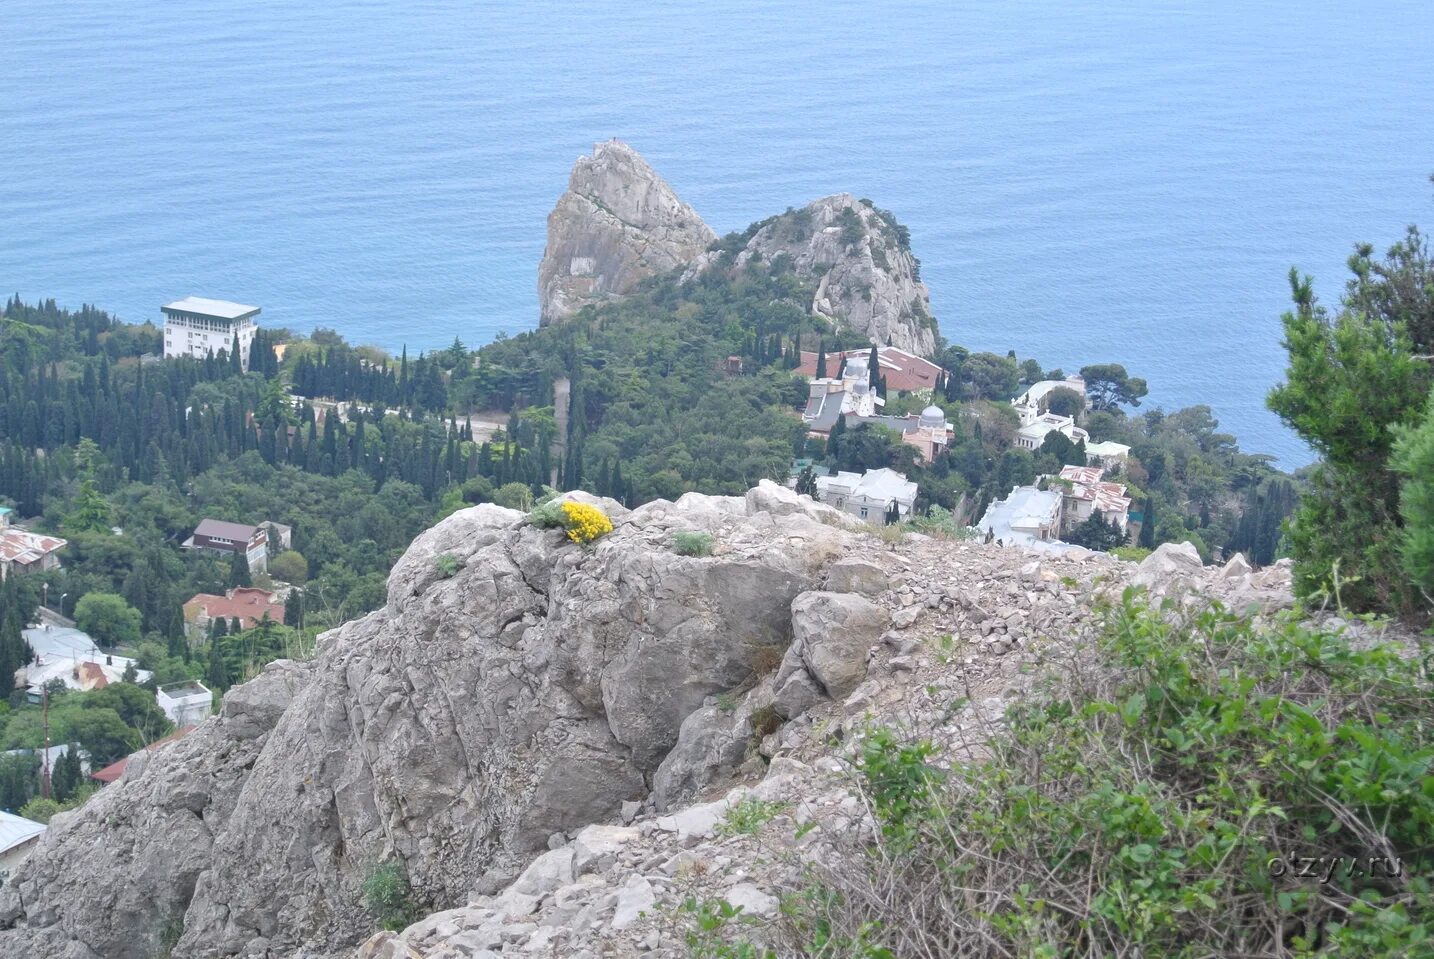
(447, 565)
(711, 925)
(1132, 554)
(747, 817)
(686, 543)
(548, 515)
(765, 721)
(389, 897)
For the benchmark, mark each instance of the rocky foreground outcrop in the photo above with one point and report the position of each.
(859, 261)
(618, 224)
(537, 738)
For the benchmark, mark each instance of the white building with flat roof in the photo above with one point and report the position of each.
(200, 327)
(186, 704)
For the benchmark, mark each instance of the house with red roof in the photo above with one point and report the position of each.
(248, 604)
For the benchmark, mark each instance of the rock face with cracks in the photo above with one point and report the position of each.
(618, 224)
(454, 731)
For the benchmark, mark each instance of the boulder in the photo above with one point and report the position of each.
(832, 634)
(1168, 564)
(857, 576)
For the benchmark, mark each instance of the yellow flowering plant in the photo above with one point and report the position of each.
(585, 523)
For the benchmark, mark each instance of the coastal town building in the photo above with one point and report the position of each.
(1086, 493)
(1028, 516)
(24, 552)
(200, 327)
(870, 495)
(18, 837)
(1036, 419)
(226, 539)
(247, 604)
(1107, 455)
(71, 657)
(851, 396)
(186, 703)
(904, 372)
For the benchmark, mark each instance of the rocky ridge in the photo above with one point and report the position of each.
(550, 740)
(618, 224)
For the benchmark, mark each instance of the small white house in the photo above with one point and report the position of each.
(186, 704)
(868, 495)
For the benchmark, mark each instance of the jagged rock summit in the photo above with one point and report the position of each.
(860, 261)
(618, 224)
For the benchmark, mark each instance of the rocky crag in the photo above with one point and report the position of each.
(620, 223)
(537, 739)
(859, 260)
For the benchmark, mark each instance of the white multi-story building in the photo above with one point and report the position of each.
(198, 327)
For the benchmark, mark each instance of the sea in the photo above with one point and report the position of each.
(1084, 181)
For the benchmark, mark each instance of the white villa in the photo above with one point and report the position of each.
(868, 495)
(1036, 419)
(1028, 516)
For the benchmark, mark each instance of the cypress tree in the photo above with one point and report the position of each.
(821, 360)
(873, 368)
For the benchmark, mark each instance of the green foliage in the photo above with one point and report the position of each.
(1162, 801)
(290, 567)
(713, 928)
(108, 618)
(1413, 458)
(447, 565)
(548, 515)
(1354, 383)
(1108, 386)
(1097, 533)
(389, 897)
(1131, 554)
(1064, 401)
(747, 817)
(690, 543)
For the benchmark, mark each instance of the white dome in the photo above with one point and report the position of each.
(933, 416)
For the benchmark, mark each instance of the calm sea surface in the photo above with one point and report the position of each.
(1084, 181)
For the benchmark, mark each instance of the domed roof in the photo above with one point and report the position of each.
(933, 416)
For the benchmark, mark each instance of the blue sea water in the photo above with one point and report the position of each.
(1084, 181)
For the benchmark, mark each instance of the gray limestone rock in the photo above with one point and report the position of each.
(535, 691)
(833, 633)
(859, 261)
(618, 224)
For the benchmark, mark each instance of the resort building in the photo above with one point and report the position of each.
(868, 495)
(199, 327)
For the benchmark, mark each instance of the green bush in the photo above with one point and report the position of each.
(747, 817)
(1207, 787)
(548, 515)
(687, 543)
(389, 897)
(447, 565)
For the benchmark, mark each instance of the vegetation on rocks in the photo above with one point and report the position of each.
(692, 543)
(1202, 786)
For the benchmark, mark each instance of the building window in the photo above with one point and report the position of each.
(863, 512)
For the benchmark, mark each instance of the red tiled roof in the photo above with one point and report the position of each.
(116, 769)
(903, 370)
(245, 602)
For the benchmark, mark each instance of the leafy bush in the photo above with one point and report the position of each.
(687, 543)
(1206, 787)
(548, 515)
(389, 897)
(585, 523)
(747, 817)
(447, 565)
